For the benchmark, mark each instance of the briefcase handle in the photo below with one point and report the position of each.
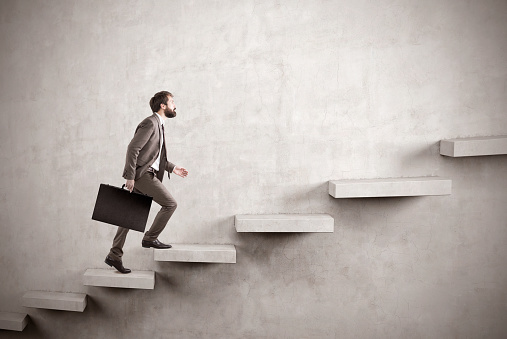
(123, 187)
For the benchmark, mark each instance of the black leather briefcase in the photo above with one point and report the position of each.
(118, 206)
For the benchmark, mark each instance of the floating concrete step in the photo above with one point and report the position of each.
(284, 223)
(75, 302)
(198, 253)
(13, 321)
(476, 146)
(112, 278)
(396, 187)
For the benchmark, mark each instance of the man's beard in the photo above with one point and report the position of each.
(170, 113)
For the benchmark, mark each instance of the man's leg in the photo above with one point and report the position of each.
(116, 252)
(150, 185)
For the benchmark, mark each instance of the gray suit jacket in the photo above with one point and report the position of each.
(143, 150)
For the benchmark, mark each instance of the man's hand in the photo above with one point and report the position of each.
(130, 185)
(180, 171)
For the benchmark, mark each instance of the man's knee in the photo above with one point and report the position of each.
(170, 204)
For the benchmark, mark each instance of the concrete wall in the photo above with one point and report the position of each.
(274, 98)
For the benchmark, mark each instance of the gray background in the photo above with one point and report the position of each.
(274, 99)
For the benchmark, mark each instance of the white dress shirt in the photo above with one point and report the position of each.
(156, 164)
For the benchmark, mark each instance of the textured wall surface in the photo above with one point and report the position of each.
(274, 99)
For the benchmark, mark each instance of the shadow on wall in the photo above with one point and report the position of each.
(308, 198)
(419, 160)
(474, 166)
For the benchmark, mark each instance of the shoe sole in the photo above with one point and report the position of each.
(159, 248)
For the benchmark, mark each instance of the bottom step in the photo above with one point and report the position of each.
(75, 302)
(112, 278)
(13, 321)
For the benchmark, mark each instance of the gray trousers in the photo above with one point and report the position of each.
(148, 184)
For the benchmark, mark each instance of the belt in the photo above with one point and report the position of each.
(152, 170)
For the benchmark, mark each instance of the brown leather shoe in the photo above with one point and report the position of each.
(155, 244)
(117, 264)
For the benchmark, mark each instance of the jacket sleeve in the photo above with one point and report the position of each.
(169, 166)
(141, 137)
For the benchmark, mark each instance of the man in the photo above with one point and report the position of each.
(145, 165)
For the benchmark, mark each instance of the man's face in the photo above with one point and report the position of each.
(170, 108)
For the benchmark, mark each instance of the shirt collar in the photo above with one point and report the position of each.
(162, 121)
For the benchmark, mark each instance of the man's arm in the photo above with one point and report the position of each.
(172, 168)
(182, 172)
(141, 137)
(169, 166)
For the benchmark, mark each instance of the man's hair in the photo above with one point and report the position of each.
(158, 99)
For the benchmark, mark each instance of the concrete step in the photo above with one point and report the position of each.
(13, 321)
(112, 278)
(75, 302)
(197, 253)
(284, 223)
(395, 187)
(476, 146)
